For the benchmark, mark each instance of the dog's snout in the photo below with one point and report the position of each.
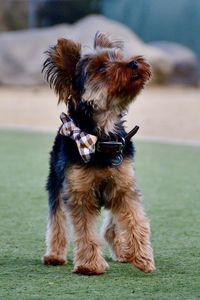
(132, 64)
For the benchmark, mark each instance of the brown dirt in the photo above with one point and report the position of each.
(166, 113)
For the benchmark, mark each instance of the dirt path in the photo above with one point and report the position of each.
(169, 113)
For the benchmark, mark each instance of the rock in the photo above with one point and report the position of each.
(22, 52)
(160, 61)
(186, 67)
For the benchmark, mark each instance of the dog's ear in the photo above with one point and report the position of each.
(60, 67)
(102, 40)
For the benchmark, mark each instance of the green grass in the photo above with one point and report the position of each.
(168, 175)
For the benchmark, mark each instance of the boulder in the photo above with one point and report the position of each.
(22, 52)
(185, 61)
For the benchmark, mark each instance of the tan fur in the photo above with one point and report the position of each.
(56, 237)
(109, 83)
(114, 238)
(106, 121)
(135, 231)
(84, 211)
(127, 231)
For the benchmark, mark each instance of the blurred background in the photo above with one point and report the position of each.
(165, 32)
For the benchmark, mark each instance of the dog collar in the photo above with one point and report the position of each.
(113, 150)
(88, 144)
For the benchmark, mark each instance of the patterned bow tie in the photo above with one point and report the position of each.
(85, 142)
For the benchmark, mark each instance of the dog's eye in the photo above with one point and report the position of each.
(101, 69)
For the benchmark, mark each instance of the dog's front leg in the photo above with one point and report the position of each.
(135, 228)
(87, 257)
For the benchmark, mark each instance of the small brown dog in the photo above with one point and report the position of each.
(91, 162)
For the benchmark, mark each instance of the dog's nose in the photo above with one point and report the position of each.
(132, 64)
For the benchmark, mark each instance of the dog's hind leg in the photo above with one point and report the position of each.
(113, 237)
(56, 236)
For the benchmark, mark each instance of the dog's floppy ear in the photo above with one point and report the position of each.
(102, 40)
(60, 67)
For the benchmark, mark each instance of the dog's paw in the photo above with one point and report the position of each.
(144, 264)
(94, 268)
(121, 259)
(53, 260)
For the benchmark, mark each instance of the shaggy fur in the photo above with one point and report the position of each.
(97, 88)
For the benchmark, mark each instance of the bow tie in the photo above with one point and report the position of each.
(85, 142)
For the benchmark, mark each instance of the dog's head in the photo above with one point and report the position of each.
(104, 78)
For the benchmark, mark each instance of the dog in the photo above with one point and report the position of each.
(91, 163)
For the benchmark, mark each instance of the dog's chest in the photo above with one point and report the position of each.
(103, 184)
(103, 191)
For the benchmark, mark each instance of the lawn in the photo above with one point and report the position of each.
(168, 175)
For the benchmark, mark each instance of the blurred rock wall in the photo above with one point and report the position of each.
(13, 15)
(22, 52)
